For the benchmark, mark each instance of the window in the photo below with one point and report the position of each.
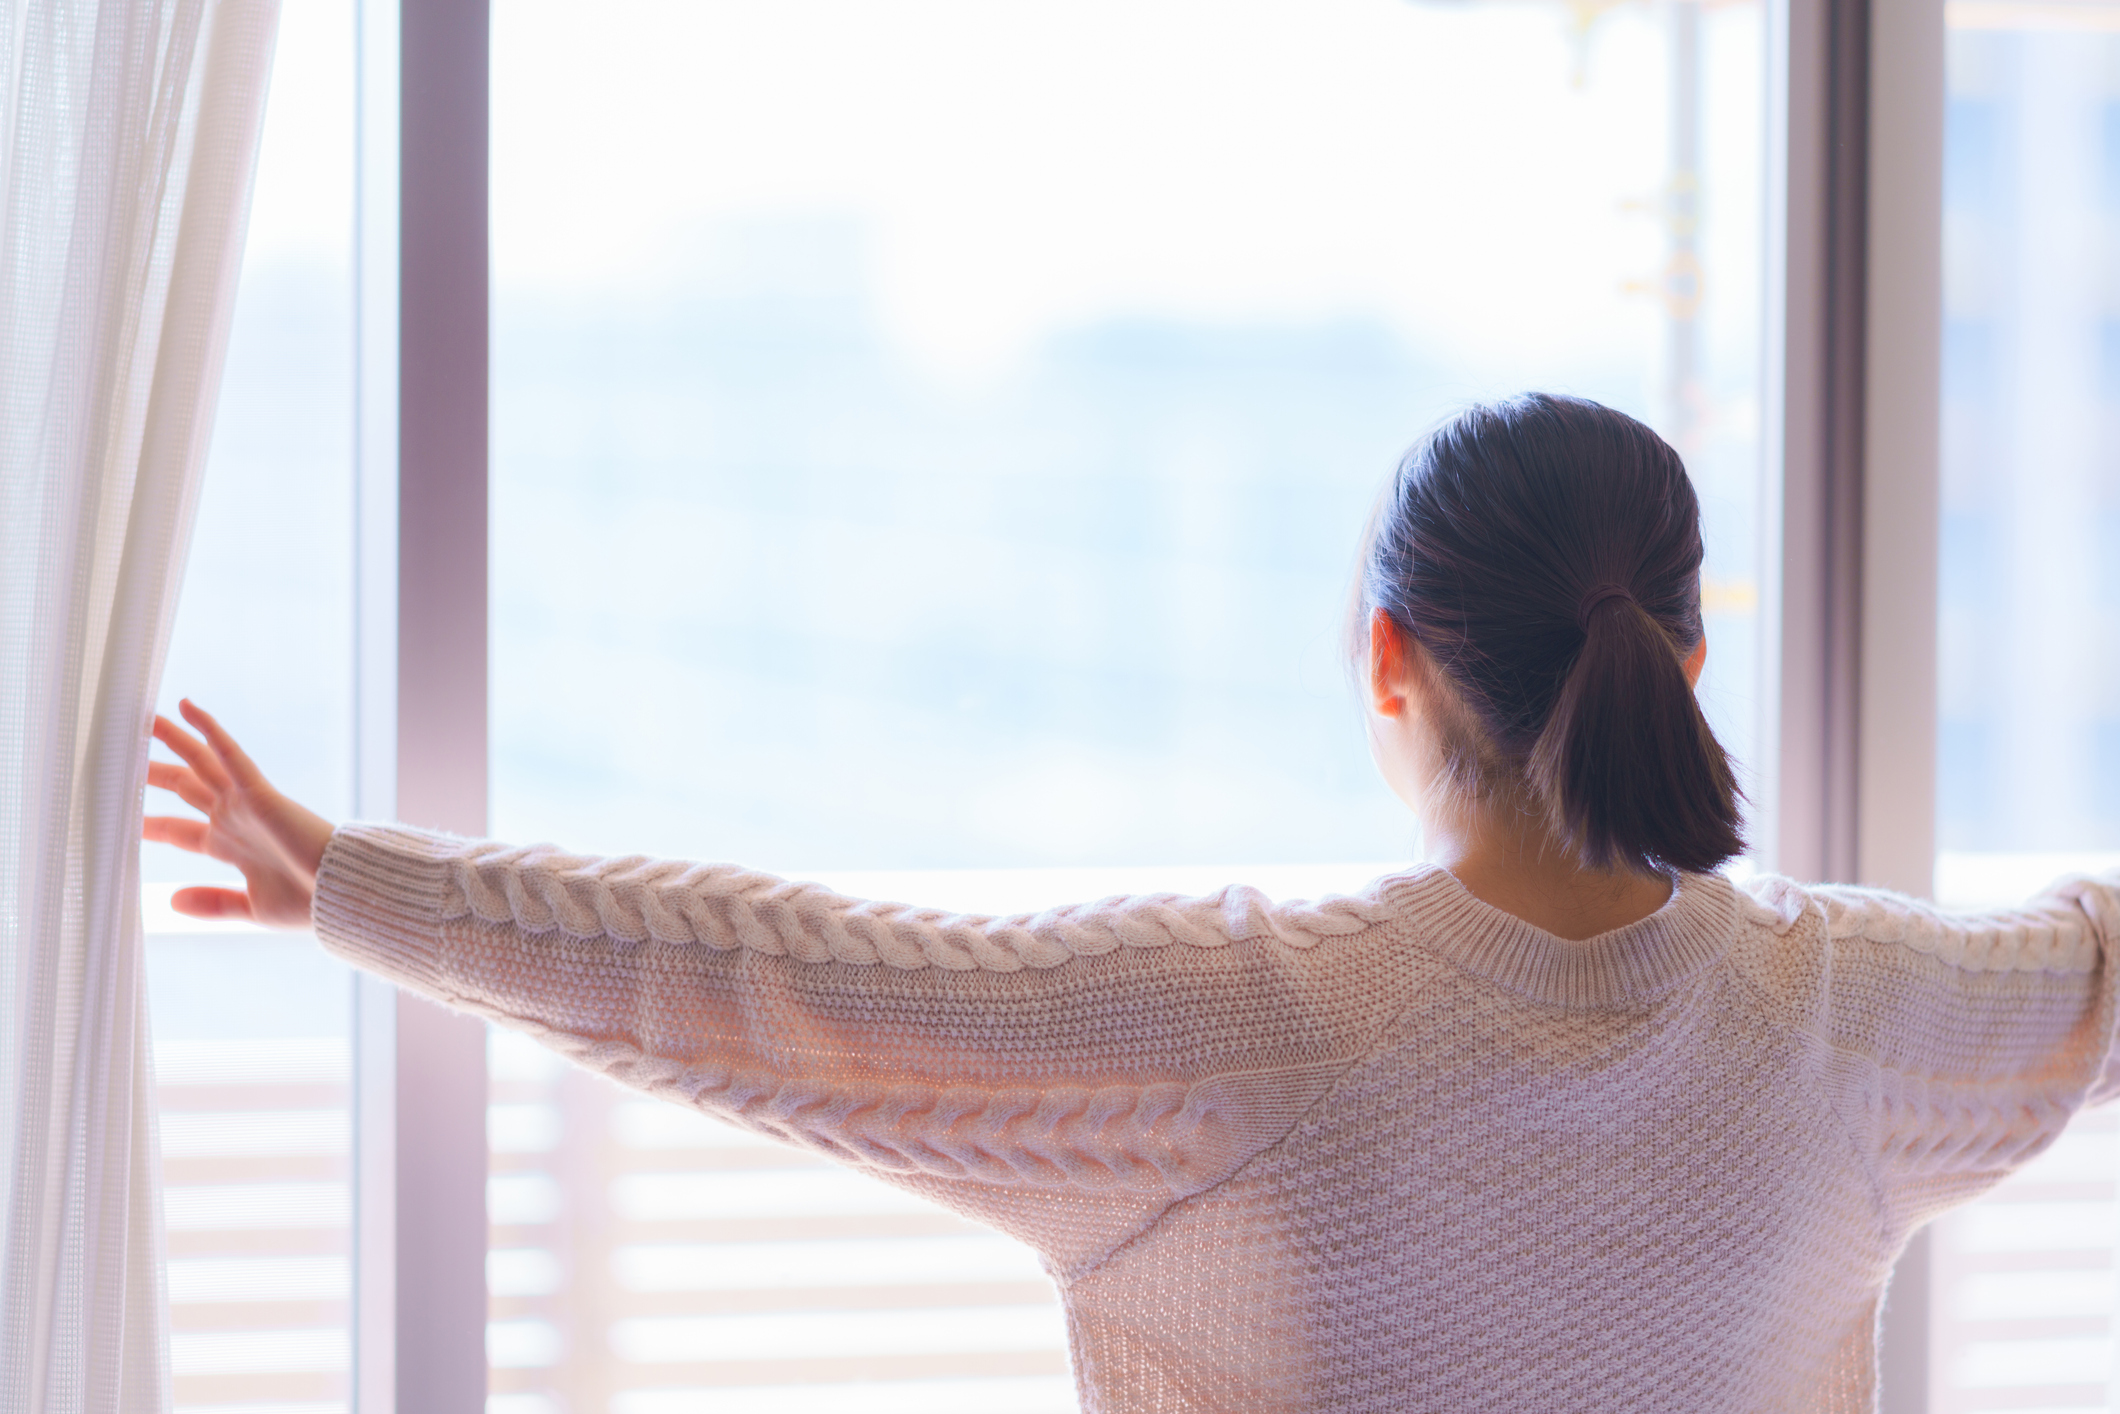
(2029, 778)
(929, 447)
(931, 440)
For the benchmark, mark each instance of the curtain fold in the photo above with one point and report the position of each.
(128, 136)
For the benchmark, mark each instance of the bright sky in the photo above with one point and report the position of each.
(1013, 168)
(1473, 172)
(302, 203)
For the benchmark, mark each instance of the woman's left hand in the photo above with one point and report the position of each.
(276, 842)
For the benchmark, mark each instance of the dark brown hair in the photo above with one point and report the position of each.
(1545, 552)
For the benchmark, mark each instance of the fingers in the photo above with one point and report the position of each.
(239, 766)
(211, 903)
(195, 753)
(176, 830)
(182, 782)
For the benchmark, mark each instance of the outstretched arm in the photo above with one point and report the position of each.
(278, 843)
(1959, 1044)
(1065, 1076)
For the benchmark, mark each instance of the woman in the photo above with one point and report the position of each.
(1562, 1121)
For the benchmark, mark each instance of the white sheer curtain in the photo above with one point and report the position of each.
(128, 131)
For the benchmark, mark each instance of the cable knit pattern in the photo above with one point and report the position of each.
(1115, 1136)
(1385, 1153)
(2063, 944)
(636, 899)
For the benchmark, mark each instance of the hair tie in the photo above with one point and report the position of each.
(1598, 596)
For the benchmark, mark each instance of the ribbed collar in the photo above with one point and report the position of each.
(1627, 965)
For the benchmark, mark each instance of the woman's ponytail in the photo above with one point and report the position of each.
(1545, 552)
(1626, 766)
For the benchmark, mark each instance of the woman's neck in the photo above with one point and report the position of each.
(1512, 861)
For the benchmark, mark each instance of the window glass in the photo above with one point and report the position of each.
(937, 434)
(934, 436)
(2029, 773)
(251, 1030)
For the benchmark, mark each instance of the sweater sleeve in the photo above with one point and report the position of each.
(1119, 1055)
(1958, 1045)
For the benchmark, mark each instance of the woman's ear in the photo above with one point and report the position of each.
(1696, 660)
(1388, 665)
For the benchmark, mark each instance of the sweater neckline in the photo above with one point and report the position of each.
(1627, 965)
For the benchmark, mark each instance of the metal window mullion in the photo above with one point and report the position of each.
(1855, 388)
(1902, 438)
(421, 370)
(1816, 388)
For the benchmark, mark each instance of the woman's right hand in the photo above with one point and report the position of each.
(277, 843)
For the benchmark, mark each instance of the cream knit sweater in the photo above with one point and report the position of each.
(1396, 1152)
